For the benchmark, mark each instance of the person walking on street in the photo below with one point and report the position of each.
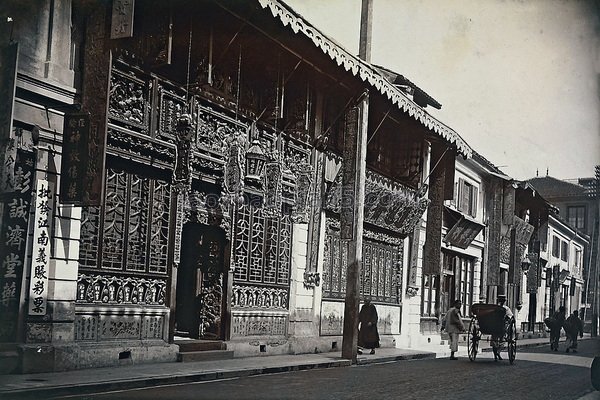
(573, 326)
(454, 326)
(508, 315)
(368, 336)
(557, 324)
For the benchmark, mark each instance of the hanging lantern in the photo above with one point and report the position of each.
(255, 155)
(526, 264)
(255, 161)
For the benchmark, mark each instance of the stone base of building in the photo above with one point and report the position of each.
(35, 358)
(269, 346)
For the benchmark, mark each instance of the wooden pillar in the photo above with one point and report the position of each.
(354, 166)
(352, 216)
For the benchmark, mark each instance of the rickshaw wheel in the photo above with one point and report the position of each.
(473, 340)
(512, 342)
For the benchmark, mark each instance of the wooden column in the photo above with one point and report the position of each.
(354, 166)
(352, 216)
(433, 239)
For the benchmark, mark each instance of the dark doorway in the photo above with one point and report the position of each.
(201, 283)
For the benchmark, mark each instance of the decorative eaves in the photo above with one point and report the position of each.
(366, 72)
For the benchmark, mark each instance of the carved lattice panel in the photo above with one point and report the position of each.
(90, 229)
(380, 274)
(285, 247)
(114, 220)
(257, 246)
(159, 228)
(137, 224)
(135, 229)
(262, 247)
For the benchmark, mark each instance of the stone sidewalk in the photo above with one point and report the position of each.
(86, 381)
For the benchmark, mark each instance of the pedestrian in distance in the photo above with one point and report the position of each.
(368, 336)
(555, 323)
(508, 315)
(573, 326)
(454, 326)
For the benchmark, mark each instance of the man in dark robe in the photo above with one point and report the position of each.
(368, 337)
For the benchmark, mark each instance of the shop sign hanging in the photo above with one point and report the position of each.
(14, 219)
(40, 257)
(273, 187)
(122, 19)
(8, 79)
(74, 160)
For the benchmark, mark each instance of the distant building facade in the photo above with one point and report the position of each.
(579, 209)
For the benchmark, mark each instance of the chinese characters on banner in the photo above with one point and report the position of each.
(75, 160)
(122, 19)
(40, 256)
(14, 219)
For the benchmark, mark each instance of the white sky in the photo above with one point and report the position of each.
(517, 79)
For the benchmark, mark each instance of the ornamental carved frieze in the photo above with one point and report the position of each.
(123, 142)
(103, 326)
(104, 289)
(388, 204)
(182, 174)
(212, 128)
(311, 279)
(212, 209)
(234, 148)
(315, 209)
(255, 297)
(128, 101)
(171, 107)
(258, 325)
(273, 186)
(302, 202)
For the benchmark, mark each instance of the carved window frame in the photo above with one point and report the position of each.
(107, 232)
(381, 272)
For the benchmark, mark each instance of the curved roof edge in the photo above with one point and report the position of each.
(365, 71)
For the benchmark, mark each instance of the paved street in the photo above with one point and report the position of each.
(536, 374)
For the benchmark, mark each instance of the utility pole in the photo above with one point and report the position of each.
(354, 167)
(595, 269)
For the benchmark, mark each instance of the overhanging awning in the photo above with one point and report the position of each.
(464, 231)
(365, 71)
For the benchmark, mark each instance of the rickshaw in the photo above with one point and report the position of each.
(490, 319)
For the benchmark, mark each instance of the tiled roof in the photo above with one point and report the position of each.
(550, 187)
(365, 71)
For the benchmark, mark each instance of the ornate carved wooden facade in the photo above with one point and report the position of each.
(128, 246)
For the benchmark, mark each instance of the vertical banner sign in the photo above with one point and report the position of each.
(433, 230)
(494, 233)
(272, 200)
(122, 19)
(40, 256)
(96, 82)
(347, 217)
(14, 219)
(8, 78)
(74, 158)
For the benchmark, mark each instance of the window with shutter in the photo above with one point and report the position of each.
(467, 198)
(474, 196)
(464, 196)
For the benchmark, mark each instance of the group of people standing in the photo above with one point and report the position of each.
(368, 336)
(573, 327)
